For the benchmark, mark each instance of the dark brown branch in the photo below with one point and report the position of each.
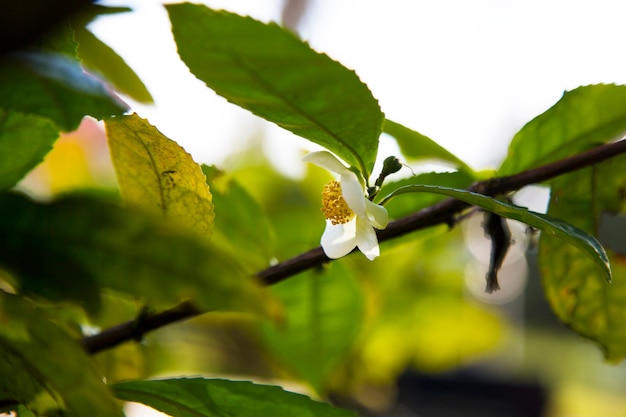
(445, 211)
(136, 329)
(441, 213)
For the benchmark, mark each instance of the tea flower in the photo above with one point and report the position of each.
(350, 216)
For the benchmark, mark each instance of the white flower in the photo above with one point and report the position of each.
(350, 216)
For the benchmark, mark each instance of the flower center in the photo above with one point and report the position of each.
(334, 206)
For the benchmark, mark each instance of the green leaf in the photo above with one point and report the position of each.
(199, 397)
(90, 12)
(55, 87)
(155, 173)
(24, 141)
(548, 225)
(101, 59)
(418, 147)
(404, 206)
(24, 412)
(72, 281)
(60, 39)
(33, 349)
(243, 228)
(124, 249)
(269, 71)
(593, 200)
(324, 310)
(583, 118)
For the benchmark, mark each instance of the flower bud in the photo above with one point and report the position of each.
(391, 165)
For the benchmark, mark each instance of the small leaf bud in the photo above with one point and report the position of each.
(391, 165)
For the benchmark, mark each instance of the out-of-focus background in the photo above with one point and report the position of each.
(468, 74)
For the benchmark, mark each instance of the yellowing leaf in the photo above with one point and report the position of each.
(154, 172)
(593, 200)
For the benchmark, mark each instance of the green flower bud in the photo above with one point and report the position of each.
(391, 165)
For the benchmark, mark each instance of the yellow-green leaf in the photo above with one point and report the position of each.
(592, 199)
(156, 173)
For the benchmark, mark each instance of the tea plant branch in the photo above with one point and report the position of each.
(443, 212)
(137, 328)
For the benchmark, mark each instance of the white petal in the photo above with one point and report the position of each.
(377, 214)
(366, 239)
(326, 160)
(352, 191)
(339, 240)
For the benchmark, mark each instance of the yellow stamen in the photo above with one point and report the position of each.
(334, 206)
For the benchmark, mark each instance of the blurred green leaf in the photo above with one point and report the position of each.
(292, 206)
(589, 198)
(35, 266)
(403, 206)
(581, 119)
(242, 227)
(127, 360)
(418, 147)
(550, 226)
(24, 141)
(199, 397)
(103, 60)
(55, 87)
(62, 38)
(324, 313)
(436, 332)
(269, 71)
(35, 351)
(123, 249)
(59, 40)
(24, 412)
(92, 11)
(418, 312)
(155, 173)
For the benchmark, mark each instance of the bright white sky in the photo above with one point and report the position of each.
(468, 74)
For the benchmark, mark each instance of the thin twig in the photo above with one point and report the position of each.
(136, 329)
(443, 212)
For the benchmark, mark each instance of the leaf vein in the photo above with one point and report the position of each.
(255, 75)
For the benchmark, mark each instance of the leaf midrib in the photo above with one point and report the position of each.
(255, 75)
(212, 407)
